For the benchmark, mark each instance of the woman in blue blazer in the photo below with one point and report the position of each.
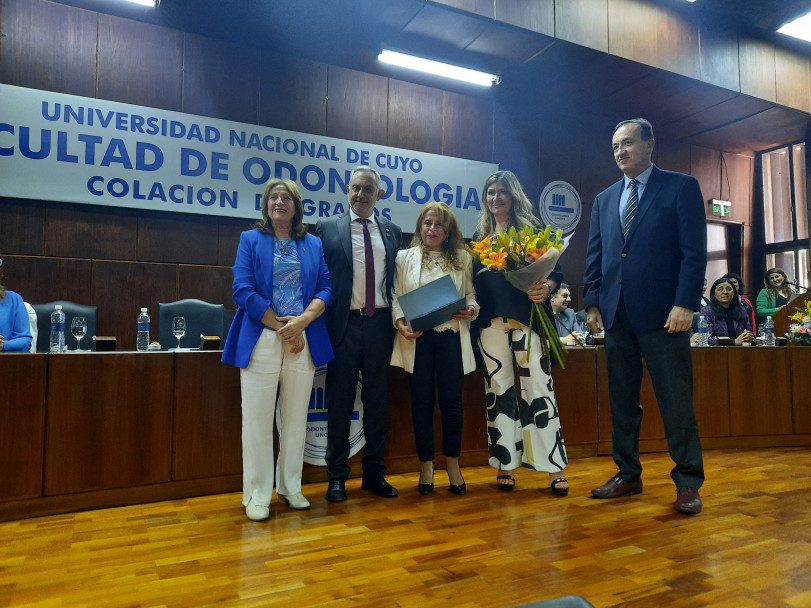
(15, 328)
(278, 338)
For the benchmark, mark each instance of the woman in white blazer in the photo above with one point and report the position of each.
(436, 360)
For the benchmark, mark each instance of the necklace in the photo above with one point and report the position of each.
(282, 246)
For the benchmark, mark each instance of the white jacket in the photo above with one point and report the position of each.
(408, 264)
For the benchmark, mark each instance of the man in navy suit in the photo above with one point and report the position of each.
(645, 265)
(361, 330)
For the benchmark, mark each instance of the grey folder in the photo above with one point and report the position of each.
(432, 304)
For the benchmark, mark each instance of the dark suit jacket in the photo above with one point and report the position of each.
(336, 236)
(662, 262)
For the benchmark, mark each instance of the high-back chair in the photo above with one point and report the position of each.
(32, 322)
(202, 318)
(71, 309)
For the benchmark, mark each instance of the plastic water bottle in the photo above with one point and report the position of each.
(703, 332)
(58, 330)
(768, 332)
(142, 342)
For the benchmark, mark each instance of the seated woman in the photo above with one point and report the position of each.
(438, 359)
(775, 293)
(15, 328)
(737, 283)
(725, 316)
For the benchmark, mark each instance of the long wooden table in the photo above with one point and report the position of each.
(87, 430)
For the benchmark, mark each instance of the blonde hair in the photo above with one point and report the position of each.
(520, 211)
(453, 243)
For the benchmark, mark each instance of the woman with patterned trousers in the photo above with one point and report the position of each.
(523, 431)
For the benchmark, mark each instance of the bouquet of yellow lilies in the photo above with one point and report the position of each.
(801, 330)
(526, 257)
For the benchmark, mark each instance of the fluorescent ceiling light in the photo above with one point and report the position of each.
(150, 3)
(799, 28)
(438, 68)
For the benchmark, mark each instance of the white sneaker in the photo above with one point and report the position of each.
(296, 501)
(256, 512)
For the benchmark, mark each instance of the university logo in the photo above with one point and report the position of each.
(315, 447)
(560, 206)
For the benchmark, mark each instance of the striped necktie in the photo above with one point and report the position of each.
(630, 208)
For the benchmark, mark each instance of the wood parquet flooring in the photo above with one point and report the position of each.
(751, 547)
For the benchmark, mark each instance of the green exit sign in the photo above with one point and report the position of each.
(720, 208)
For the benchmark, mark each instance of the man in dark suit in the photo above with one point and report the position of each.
(565, 318)
(360, 250)
(645, 265)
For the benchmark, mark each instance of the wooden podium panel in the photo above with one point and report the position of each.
(760, 390)
(711, 399)
(801, 388)
(109, 421)
(24, 380)
(781, 317)
(207, 417)
(576, 392)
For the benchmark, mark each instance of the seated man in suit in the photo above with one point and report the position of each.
(567, 324)
(360, 249)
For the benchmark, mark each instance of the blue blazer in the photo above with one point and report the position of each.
(253, 294)
(662, 262)
(336, 234)
(15, 325)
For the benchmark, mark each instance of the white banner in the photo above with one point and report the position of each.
(82, 150)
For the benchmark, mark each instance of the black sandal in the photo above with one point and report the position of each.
(507, 487)
(559, 491)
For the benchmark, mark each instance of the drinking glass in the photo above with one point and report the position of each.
(78, 327)
(584, 331)
(179, 328)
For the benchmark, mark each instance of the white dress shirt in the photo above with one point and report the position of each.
(359, 262)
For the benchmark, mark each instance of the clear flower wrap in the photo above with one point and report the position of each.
(527, 257)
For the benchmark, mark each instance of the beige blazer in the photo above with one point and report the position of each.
(408, 264)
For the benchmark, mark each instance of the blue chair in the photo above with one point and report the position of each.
(202, 318)
(71, 309)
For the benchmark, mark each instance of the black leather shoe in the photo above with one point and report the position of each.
(616, 487)
(425, 488)
(379, 486)
(336, 492)
(688, 501)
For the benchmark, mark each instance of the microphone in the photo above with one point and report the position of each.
(795, 285)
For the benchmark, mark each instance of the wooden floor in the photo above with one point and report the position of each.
(751, 547)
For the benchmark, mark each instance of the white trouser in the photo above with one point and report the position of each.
(273, 366)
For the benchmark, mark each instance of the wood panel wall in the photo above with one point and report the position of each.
(121, 259)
